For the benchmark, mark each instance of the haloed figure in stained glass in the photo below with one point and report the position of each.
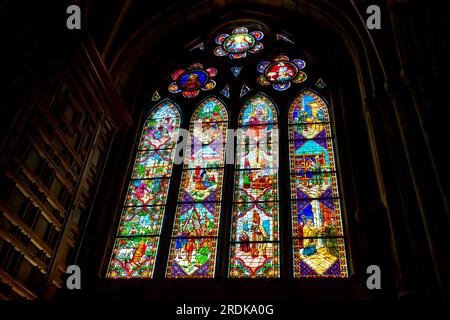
(259, 236)
(316, 215)
(254, 234)
(195, 232)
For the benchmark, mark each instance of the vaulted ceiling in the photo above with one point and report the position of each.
(125, 31)
(134, 37)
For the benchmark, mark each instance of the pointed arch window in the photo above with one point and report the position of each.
(254, 248)
(318, 238)
(196, 227)
(312, 207)
(137, 239)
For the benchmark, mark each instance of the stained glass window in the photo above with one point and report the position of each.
(137, 240)
(281, 72)
(190, 81)
(254, 248)
(316, 207)
(239, 43)
(196, 227)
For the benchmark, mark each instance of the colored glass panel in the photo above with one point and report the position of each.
(244, 90)
(259, 110)
(206, 132)
(256, 185)
(133, 257)
(147, 192)
(301, 77)
(238, 55)
(195, 231)
(281, 72)
(254, 259)
(197, 220)
(299, 63)
(152, 164)
(136, 245)
(226, 92)
(220, 52)
(320, 257)
(250, 216)
(257, 156)
(315, 184)
(193, 80)
(262, 80)
(143, 221)
(159, 133)
(318, 244)
(308, 108)
(236, 71)
(212, 110)
(254, 134)
(205, 156)
(323, 213)
(311, 156)
(236, 45)
(156, 96)
(305, 131)
(256, 48)
(254, 238)
(201, 185)
(281, 86)
(192, 258)
(258, 35)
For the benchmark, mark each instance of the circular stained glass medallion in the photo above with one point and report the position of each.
(238, 43)
(281, 72)
(193, 80)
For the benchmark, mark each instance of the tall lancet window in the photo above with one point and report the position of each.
(315, 202)
(196, 227)
(254, 230)
(137, 239)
